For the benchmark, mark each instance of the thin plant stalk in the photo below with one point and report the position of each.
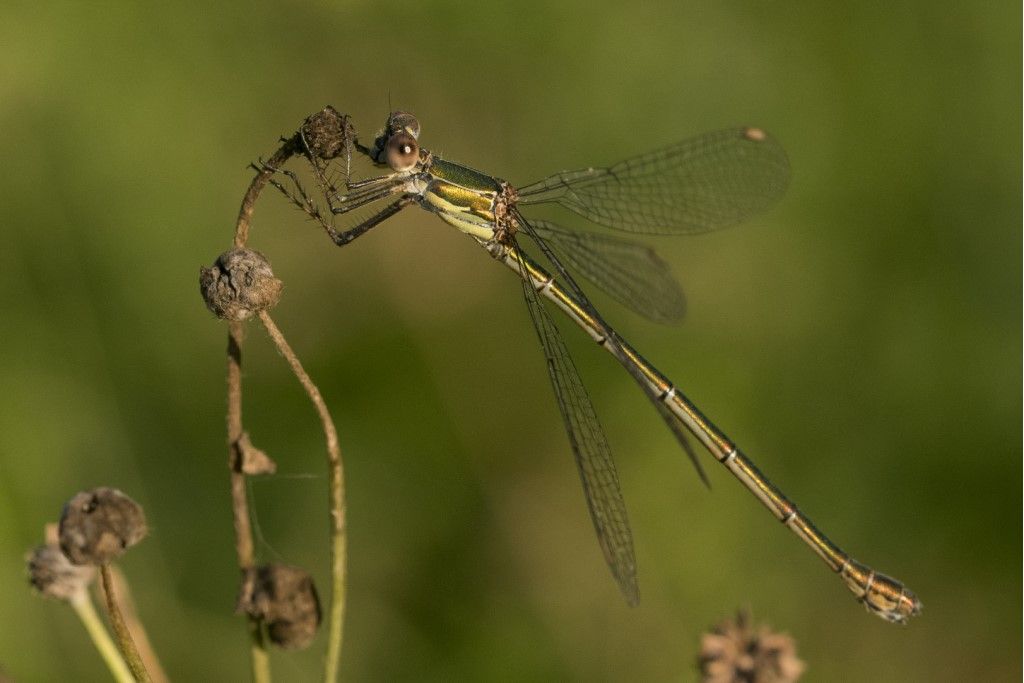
(101, 639)
(121, 633)
(260, 660)
(243, 530)
(135, 626)
(336, 495)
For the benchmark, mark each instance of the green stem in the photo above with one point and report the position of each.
(100, 637)
(259, 655)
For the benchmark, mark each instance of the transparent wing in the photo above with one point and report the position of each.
(613, 339)
(630, 273)
(590, 448)
(704, 183)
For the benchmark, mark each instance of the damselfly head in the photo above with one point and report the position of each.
(405, 127)
(403, 122)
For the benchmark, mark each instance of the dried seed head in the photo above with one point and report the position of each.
(51, 574)
(98, 526)
(239, 284)
(734, 652)
(284, 598)
(328, 133)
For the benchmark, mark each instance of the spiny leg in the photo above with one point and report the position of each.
(386, 186)
(298, 196)
(357, 193)
(343, 238)
(368, 193)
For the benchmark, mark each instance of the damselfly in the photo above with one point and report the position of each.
(697, 185)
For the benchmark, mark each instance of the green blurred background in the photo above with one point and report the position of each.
(862, 340)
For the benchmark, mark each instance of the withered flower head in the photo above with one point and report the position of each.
(285, 599)
(328, 134)
(50, 573)
(239, 284)
(735, 652)
(98, 526)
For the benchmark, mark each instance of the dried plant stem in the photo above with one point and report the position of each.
(236, 334)
(86, 612)
(336, 494)
(239, 502)
(284, 152)
(259, 659)
(124, 637)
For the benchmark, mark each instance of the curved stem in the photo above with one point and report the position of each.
(336, 493)
(284, 152)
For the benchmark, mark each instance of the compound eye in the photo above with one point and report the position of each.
(402, 152)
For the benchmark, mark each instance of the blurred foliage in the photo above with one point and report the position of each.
(862, 341)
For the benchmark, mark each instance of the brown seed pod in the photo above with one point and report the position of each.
(50, 573)
(98, 526)
(328, 133)
(736, 651)
(285, 599)
(239, 284)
